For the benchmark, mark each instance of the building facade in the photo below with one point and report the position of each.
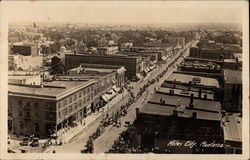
(133, 65)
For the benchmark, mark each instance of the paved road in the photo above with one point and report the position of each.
(105, 141)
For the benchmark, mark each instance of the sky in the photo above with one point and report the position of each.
(125, 12)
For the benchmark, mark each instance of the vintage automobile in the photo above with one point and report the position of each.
(25, 142)
(35, 142)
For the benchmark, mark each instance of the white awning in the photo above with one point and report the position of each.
(106, 97)
(116, 89)
(138, 75)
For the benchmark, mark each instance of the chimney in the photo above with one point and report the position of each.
(137, 111)
(194, 115)
(223, 113)
(191, 99)
(175, 113)
(205, 96)
(200, 90)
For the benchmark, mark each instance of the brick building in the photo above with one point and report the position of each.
(210, 53)
(232, 100)
(37, 109)
(133, 65)
(25, 50)
(170, 118)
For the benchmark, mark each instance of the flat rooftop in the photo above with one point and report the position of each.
(230, 60)
(54, 89)
(186, 93)
(233, 128)
(206, 105)
(156, 109)
(186, 78)
(104, 56)
(232, 76)
(22, 77)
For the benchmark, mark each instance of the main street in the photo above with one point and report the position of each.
(111, 133)
(106, 140)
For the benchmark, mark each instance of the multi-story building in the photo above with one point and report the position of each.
(231, 64)
(40, 108)
(20, 62)
(232, 129)
(210, 53)
(232, 100)
(133, 65)
(186, 82)
(109, 50)
(175, 40)
(178, 123)
(25, 50)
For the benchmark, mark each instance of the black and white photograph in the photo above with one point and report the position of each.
(124, 79)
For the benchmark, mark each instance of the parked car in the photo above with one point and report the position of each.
(35, 142)
(25, 142)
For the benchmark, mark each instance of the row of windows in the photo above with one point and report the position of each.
(75, 97)
(36, 126)
(27, 105)
(74, 107)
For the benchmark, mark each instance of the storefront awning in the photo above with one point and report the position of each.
(163, 58)
(138, 75)
(116, 89)
(106, 97)
(152, 67)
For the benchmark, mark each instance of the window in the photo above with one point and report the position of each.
(84, 100)
(20, 103)
(75, 97)
(70, 109)
(80, 104)
(21, 126)
(59, 114)
(80, 94)
(65, 102)
(50, 106)
(28, 105)
(28, 114)
(59, 105)
(70, 100)
(92, 88)
(65, 111)
(36, 127)
(230, 151)
(88, 99)
(36, 106)
(88, 90)
(75, 106)
(36, 115)
(20, 113)
(84, 92)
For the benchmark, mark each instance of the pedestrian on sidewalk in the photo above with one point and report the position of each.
(84, 122)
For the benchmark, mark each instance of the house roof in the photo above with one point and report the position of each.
(232, 76)
(233, 127)
(186, 78)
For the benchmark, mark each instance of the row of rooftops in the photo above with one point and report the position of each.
(61, 84)
(204, 109)
(186, 78)
(52, 90)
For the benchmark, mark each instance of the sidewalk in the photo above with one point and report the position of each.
(66, 137)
